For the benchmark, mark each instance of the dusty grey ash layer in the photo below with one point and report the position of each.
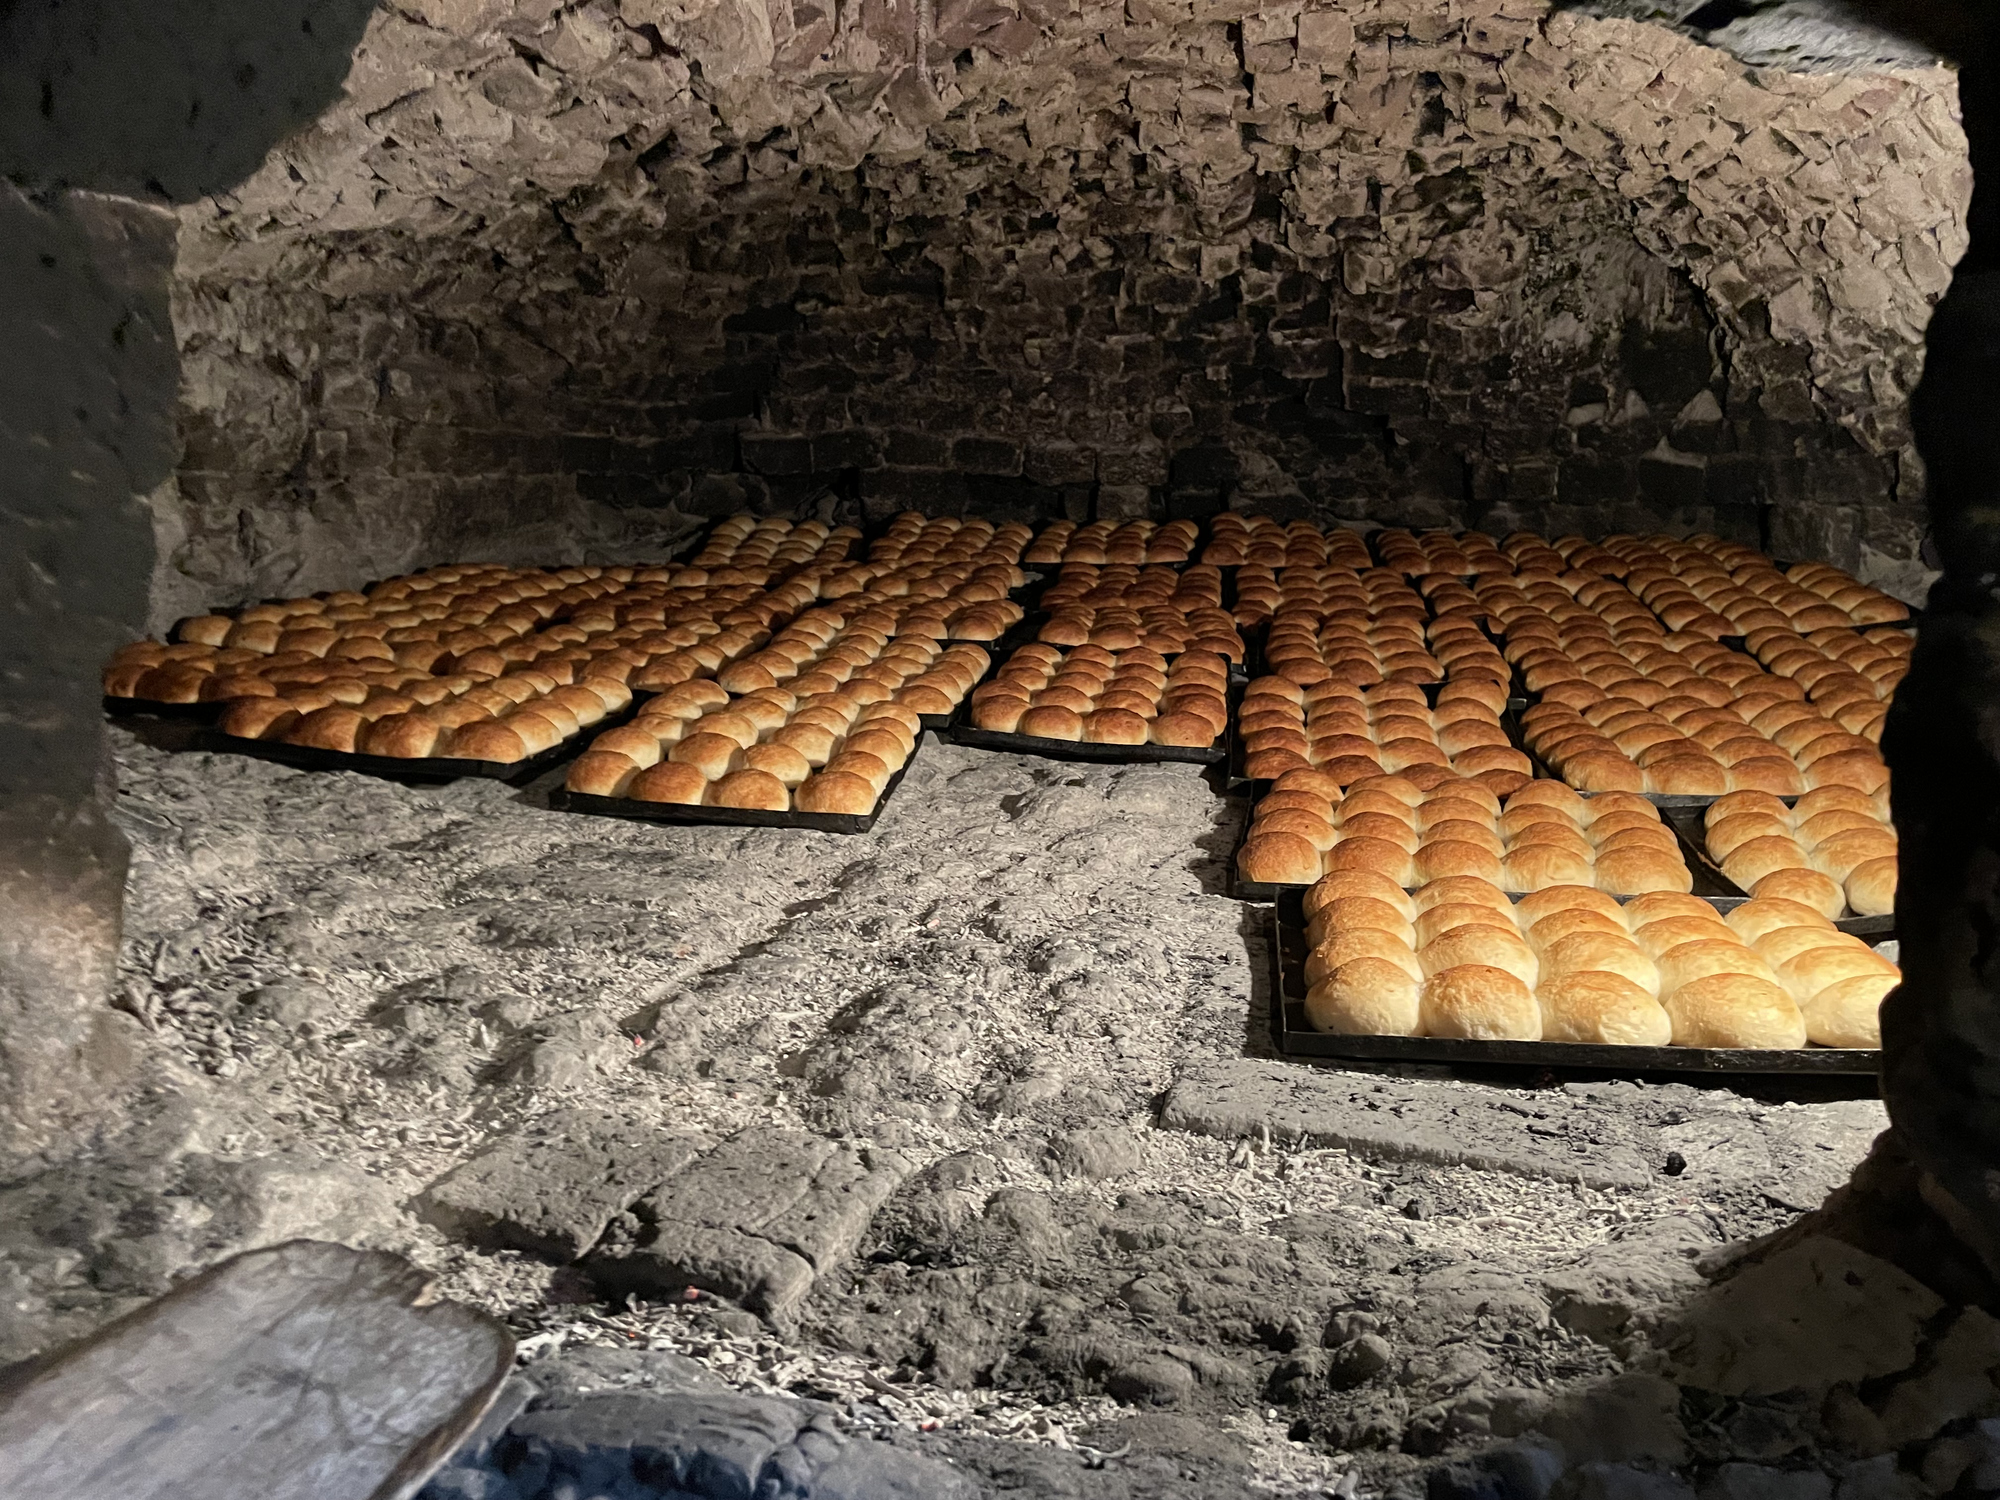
(1023, 1165)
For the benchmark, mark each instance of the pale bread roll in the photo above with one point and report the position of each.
(1807, 887)
(1558, 925)
(1656, 937)
(1781, 943)
(1479, 1002)
(1848, 1013)
(1362, 942)
(1365, 997)
(1734, 1010)
(1345, 883)
(1806, 974)
(1433, 922)
(1767, 914)
(1601, 1008)
(1601, 952)
(1481, 946)
(1637, 871)
(1684, 963)
(1871, 887)
(1537, 867)
(1465, 890)
(1537, 905)
(1351, 912)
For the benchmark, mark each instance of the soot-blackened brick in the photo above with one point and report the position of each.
(776, 453)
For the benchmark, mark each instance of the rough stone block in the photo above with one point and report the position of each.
(776, 453)
(978, 455)
(552, 1189)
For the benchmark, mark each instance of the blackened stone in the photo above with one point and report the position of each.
(1666, 365)
(915, 450)
(1209, 467)
(846, 450)
(781, 318)
(776, 453)
(1670, 484)
(987, 455)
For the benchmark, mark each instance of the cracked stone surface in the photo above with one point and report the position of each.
(563, 279)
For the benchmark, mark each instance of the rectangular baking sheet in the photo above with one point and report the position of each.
(435, 768)
(1688, 828)
(193, 713)
(562, 799)
(1295, 1036)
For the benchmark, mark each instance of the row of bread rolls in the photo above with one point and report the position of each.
(504, 719)
(1130, 586)
(1834, 849)
(1114, 542)
(1238, 540)
(1096, 696)
(1849, 674)
(1571, 964)
(1454, 554)
(1542, 835)
(1744, 589)
(1159, 628)
(915, 538)
(771, 750)
(826, 648)
(1568, 600)
(1349, 733)
(1697, 741)
(1391, 650)
(745, 541)
(1334, 594)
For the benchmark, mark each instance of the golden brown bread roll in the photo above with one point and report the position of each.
(1805, 974)
(1734, 1010)
(335, 728)
(1558, 925)
(1684, 963)
(639, 743)
(1781, 943)
(1280, 858)
(1536, 867)
(669, 781)
(1185, 729)
(1001, 714)
(1308, 826)
(205, 630)
(1051, 722)
(1387, 827)
(835, 792)
(1377, 856)
(1807, 887)
(783, 762)
(1342, 884)
(1839, 856)
(1449, 857)
(536, 730)
(1847, 1013)
(405, 735)
(749, 789)
(1726, 836)
(1601, 1008)
(485, 739)
(1744, 803)
(1365, 997)
(1479, 1002)
(259, 718)
(601, 773)
(714, 755)
(870, 768)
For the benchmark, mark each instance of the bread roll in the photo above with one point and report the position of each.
(1834, 799)
(1449, 857)
(1002, 715)
(535, 730)
(1782, 943)
(1479, 1002)
(1114, 726)
(1365, 997)
(1491, 946)
(1362, 883)
(1686, 962)
(1343, 948)
(1354, 912)
(1465, 890)
(786, 764)
(1745, 803)
(335, 728)
(1558, 925)
(1724, 838)
(1871, 887)
(1535, 867)
(1533, 908)
(259, 718)
(1734, 1010)
(714, 755)
(749, 789)
(1604, 952)
(1761, 916)
(870, 768)
(1635, 871)
(601, 773)
(1847, 1013)
(1807, 887)
(1551, 794)
(1378, 856)
(1183, 729)
(1050, 722)
(1841, 855)
(1805, 974)
(405, 735)
(1376, 825)
(669, 781)
(835, 792)
(1601, 1008)
(1279, 858)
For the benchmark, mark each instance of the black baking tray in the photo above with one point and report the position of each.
(682, 814)
(194, 713)
(1687, 825)
(962, 732)
(1295, 1036)
(426, 769)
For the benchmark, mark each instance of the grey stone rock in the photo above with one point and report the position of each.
(1955, 1380)
(1881, 1478)
(1622, 1482)
(710, 1445)
(1631, 1418)
(755, 1220)
(1098, 1153)
(552, 1188)
(1151, 1380)
(1514, 1471)
(1402, 1121)
(1757, 1482)
(1359, 1361)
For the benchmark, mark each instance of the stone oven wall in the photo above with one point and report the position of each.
(562, 279)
